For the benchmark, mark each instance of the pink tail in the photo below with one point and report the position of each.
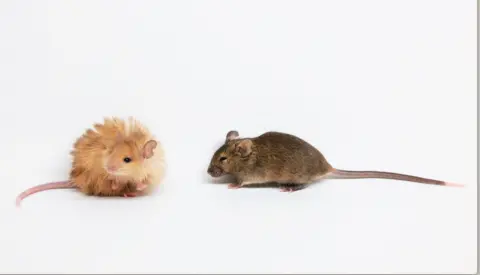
(44, 187)
(387, 175)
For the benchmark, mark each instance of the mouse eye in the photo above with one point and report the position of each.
(127, 160)
(222, 158)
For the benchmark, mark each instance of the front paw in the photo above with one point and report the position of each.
(141, 186)
(234, 186)
(115, 185)
(130, 195)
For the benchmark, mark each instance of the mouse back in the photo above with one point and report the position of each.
(272, 155)
(285, 153)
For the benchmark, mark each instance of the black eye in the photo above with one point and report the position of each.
(222, 158)
(127, 160)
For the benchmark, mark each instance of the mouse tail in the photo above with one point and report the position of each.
(44, 187)
(346, 174)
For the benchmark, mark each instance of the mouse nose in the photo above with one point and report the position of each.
(112, 167)
(214, 171)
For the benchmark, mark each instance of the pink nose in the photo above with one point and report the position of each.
(112, 168)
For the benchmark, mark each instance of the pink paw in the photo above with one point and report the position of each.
(233, 186)
(141, 186)
(129, 195)
(115, 185)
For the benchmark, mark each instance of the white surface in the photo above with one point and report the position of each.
(387, 85)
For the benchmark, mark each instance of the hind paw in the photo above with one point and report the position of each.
(291, 189)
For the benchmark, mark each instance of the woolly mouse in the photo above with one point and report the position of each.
(117, 158)
(282, 158)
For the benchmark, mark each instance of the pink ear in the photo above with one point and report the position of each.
(231, 135)
(148, 148)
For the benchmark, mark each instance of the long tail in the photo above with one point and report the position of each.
(337, 173)
(44, 187)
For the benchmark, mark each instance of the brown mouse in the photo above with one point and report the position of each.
(281, 158)
(117, 158)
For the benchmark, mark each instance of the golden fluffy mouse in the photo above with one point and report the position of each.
(116, 158)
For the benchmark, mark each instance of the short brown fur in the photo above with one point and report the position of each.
(271, 157)
(275, 157)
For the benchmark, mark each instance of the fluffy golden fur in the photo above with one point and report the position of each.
(116, 158)
(107, 145)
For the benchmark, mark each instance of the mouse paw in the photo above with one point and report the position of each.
(130, 195)
(115, 185)
(291, 189)
(141, 186)
(234, 186)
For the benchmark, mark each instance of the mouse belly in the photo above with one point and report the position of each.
(269, 178)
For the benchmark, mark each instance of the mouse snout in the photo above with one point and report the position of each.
(214, 171)
(210, 170)
(112, 168)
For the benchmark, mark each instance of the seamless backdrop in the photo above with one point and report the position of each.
(384, 85)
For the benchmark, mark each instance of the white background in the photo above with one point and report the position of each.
(384, 85)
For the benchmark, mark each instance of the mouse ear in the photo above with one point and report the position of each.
(231, 135)
(244, 147)
(147, 150)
